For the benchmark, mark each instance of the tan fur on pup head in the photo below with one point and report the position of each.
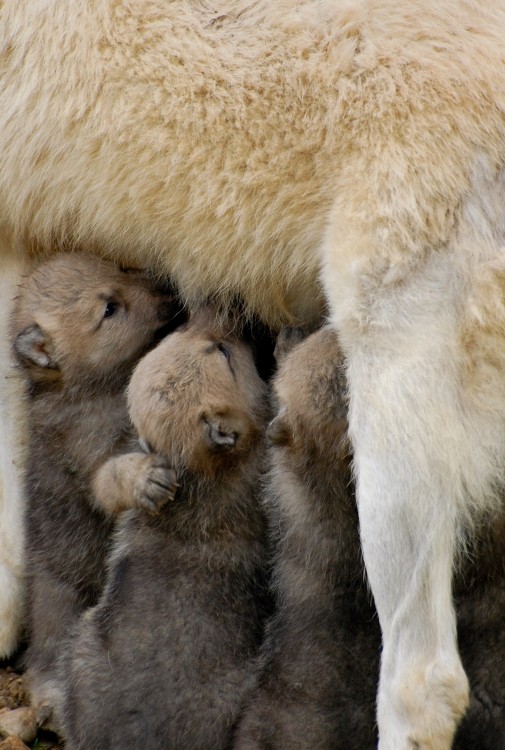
(197, 398)
(78, 318)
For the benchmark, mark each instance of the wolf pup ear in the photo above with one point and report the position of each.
(32, 346)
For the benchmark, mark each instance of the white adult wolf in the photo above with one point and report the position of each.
(288, 153)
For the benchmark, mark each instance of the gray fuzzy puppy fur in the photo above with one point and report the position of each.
(167, 656)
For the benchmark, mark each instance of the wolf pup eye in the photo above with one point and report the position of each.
(111, 309)
(224, 351)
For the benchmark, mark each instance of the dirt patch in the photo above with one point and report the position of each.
(14, 694)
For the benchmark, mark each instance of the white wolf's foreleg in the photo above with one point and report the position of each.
(13, 262)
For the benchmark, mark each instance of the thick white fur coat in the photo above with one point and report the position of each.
(296, 154)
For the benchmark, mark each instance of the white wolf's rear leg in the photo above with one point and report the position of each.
(409, 436)
(13, 262)
(404, 424)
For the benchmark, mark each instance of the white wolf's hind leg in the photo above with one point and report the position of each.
(411, 445)
(408, 513)
(13, 262)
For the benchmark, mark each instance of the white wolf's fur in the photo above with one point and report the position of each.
(243, 146)
(13, 263)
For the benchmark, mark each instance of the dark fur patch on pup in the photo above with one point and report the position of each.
(479, 593)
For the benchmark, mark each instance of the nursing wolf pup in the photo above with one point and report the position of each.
(320, 659)
(167, 656)
(79, 326)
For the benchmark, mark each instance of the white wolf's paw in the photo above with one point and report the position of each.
(424, 710)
